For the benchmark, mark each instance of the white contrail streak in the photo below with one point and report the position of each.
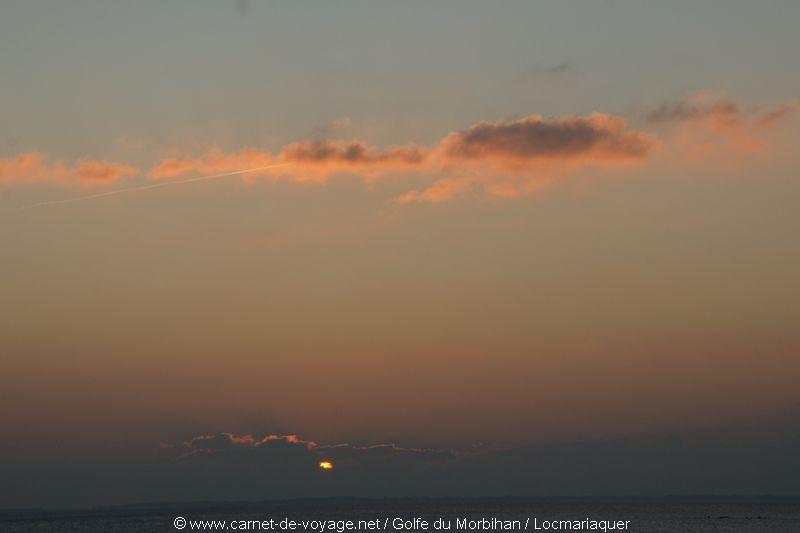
(152, 186)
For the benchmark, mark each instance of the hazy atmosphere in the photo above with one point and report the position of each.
(454, 248)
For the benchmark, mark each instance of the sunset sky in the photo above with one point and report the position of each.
(479, 238)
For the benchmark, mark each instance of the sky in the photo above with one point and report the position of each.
(455, 248)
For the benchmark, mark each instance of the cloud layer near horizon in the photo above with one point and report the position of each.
(229, 466)
(501, 158)
(226, 466)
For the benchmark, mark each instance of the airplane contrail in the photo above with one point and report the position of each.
(151, 186)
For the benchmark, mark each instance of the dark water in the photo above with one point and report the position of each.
(650, 516)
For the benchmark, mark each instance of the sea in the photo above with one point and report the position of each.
(701, 514)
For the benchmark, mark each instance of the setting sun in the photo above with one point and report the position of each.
(326, 465)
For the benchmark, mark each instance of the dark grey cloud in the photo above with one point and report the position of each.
(331, 127)
(695, 107)
(718, 107)
(535, 137)
(551, 70)
(778, 113)
(353, 153)
(269, 447)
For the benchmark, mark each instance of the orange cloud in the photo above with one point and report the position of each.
(212, 162)
(311, 160)
(711, 124)
(30, 166)
(442, 190)
(501, 158)
(91, 172)
(35, 167)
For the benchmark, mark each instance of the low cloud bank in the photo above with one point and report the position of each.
(226, 466)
